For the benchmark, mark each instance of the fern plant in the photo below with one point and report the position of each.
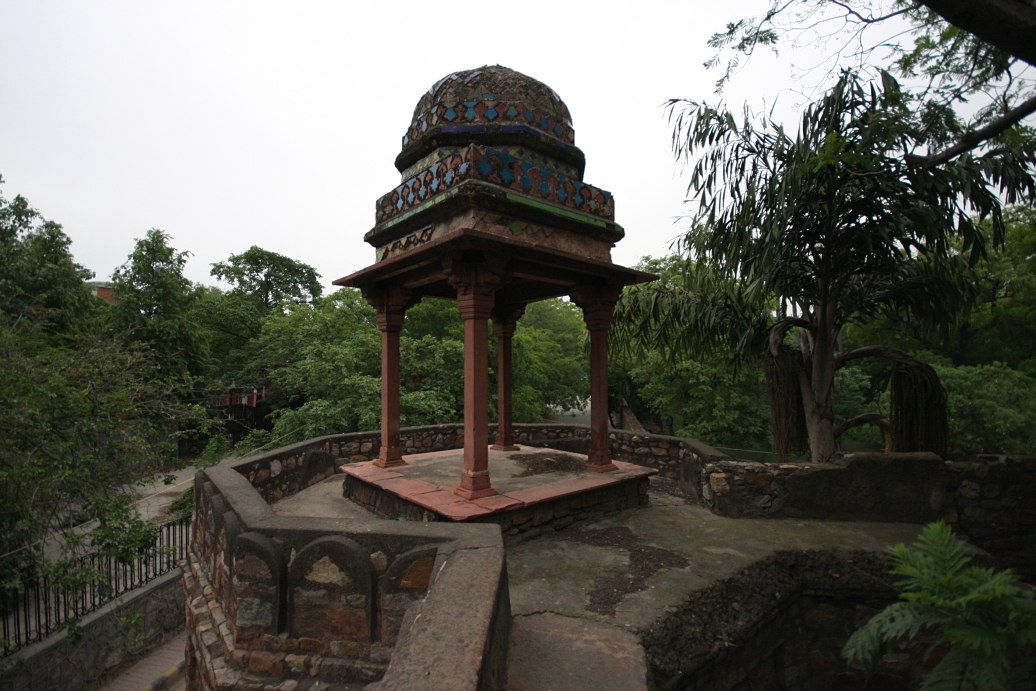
(982, 620)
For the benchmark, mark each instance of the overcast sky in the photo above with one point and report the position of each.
(231, 124)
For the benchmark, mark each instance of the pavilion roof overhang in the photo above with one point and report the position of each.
(533, 272)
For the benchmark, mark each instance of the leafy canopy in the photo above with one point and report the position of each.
(268, 277)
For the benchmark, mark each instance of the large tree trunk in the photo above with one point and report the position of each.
(818, 387)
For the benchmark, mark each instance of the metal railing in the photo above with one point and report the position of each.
(40, 607)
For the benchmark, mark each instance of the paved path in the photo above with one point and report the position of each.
(161, 669)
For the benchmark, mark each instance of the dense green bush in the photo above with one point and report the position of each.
(992, 409)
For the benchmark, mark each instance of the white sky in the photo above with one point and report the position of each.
(231, 124)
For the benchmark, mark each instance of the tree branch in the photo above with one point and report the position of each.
(893, 354)
(972, 139)
(876, 419)
(778, 330)
(871, 20)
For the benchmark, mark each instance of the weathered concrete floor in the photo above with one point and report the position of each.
(579, 595)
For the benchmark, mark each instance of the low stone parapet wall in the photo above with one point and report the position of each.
(905, 487)
(275, 601)
(283, 472)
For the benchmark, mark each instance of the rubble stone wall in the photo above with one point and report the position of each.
(991, 500)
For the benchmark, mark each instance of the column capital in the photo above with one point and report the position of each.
(390, 304)
(597, 303)
(505, 318)
(476, 284)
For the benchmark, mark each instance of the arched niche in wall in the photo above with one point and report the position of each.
(257, 577)
(330, 591)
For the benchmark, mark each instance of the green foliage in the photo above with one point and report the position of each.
(703, 399)
(269, 278)
(183, 505)
(992, 409)
(37, 271)
(155, 306)
(80, 422)
(999, 325)
(84, 414)
(550, 369)
(797, 236)
(977, 618)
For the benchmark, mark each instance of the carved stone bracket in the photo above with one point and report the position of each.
(597, 303)
(476, 284)
(391, 305)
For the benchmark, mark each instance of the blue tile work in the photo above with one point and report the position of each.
(485, 112)
(506, 168)
(528, 155)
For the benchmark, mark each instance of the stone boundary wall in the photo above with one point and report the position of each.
(112, 638)
(988, 499)
(274, 601)
(780, 623)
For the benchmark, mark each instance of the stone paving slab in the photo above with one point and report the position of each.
(574, 572)
(549, 651)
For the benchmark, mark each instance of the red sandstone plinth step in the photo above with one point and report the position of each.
(368, 471)
(422, 484)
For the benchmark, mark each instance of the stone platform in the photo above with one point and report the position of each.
(538, 489)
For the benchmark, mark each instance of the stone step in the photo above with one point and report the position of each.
(550, 652)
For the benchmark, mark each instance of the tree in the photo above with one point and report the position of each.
(985, 63)
(832, 225)
(82, 414)
(268, 277)
(261, 282)
(155, 306)
(998, 326)
(82, 420)
(37, 270)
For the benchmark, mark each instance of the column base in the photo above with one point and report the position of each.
(389, 462)
(601, 467)
(470, 494)
(505, 447)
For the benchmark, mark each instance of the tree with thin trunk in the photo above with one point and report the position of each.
(798, 234)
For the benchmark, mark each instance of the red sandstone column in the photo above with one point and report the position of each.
(504, 321)
(391, 307)
(597, 308)
(475, 294)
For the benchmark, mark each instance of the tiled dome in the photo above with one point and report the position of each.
(491, 104)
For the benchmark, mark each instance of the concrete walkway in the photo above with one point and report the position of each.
(160, 669)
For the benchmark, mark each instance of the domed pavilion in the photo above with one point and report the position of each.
(492, 211)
